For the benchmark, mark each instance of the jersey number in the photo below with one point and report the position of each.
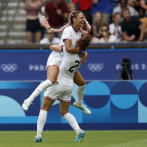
(71, 68)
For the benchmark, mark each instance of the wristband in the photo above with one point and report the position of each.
(81, 52)
(61, 49)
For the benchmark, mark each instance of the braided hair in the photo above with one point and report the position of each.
(72, 15)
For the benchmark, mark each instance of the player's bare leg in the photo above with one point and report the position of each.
(64, 106)
(52, 73)
(81, 84)
(46, 105)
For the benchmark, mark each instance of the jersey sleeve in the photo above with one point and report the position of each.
(67, 34)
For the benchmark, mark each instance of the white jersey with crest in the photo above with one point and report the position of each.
(70, 34)
(69, 65)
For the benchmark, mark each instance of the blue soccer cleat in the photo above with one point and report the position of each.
(38, 138)
(80, 136)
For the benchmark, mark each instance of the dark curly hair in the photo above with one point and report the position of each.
(83, 43)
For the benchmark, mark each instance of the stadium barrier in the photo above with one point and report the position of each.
(114, 105)
(102, 64)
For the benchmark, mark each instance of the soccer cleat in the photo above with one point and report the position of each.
(26, 104)
(38, 138)
(80, 136)
(82, 107)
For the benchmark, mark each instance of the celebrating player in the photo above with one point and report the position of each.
(70, 35)
(62, 90)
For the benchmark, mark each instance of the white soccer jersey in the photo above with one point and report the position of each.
(70, 34)
(55, 58)
(69, 65)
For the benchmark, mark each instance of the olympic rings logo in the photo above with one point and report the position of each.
(95, 67)
(8, 67)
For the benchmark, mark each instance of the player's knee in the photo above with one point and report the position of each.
(45, 107)
(52, 80)
(63, 112)
(82, 83)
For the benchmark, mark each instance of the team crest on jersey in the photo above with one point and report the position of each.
(71, 63)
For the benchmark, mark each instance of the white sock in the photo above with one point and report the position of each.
(72, 121)
(43, 86)
(41, 121)
(80, 93)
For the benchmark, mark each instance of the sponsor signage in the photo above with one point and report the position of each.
(100, 65)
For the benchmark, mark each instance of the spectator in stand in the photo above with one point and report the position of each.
(97, 24)
(85, 7)
(42, 11)
(131, 3)
(143, 19)
(71, 7)
(93, 39)
(135, 4)
(123, 4)
(132, 29)
(32, 24)
(58, 12)
(107, 37)
(50, 38)
(115, 28)
(102, 6)
(143, 4)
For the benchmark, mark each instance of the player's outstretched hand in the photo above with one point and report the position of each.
(84, 58)
(88, 26)
(44, 22)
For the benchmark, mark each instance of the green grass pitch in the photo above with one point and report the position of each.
(66, 139)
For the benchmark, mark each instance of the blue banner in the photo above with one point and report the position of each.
(101, 64)
(115, 104)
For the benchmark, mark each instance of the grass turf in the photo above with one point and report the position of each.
(66, 139)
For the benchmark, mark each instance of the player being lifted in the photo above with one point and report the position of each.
(62, 90)
(71, 34)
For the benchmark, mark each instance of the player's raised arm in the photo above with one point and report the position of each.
(69, 48)
(88, 28)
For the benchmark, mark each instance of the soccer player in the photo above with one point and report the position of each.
(62, 90)
(70, 35)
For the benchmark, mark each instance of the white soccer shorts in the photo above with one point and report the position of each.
(59, 92)
(54, 58)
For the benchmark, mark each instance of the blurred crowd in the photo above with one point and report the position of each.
(124, 21)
